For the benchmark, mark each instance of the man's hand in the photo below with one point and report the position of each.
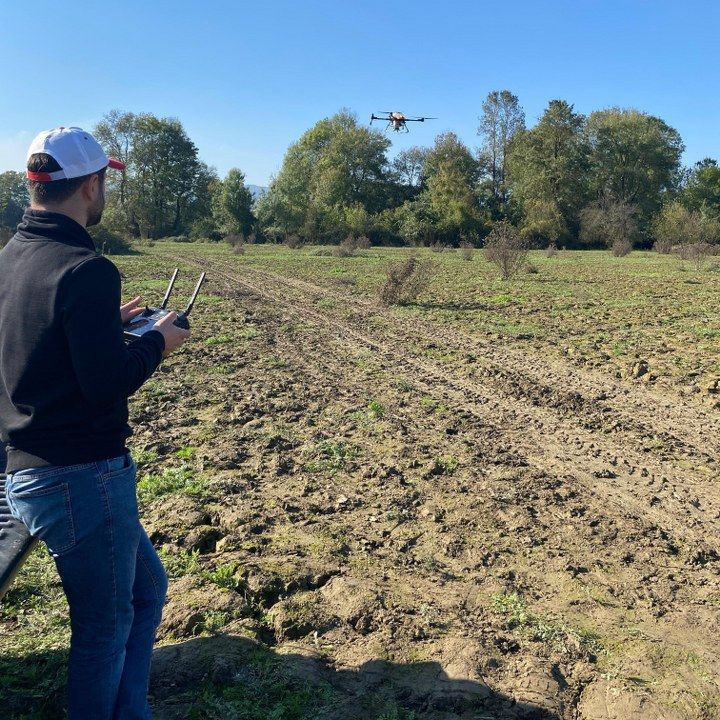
(174, 335)
(130, 310)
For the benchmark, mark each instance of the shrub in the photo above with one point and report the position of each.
(676, 225)
(438, 247)
(551, 250)
(204, 227)
(609, 222)
(363, 242)
(621, 247)
(467, 250)
(406, 280)
(237, 242)
(293, 242)
(346, 248)
(696, 253)
(108, 242)
(507, 249)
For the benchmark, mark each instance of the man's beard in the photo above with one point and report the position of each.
(95, 213)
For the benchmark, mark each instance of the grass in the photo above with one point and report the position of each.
(263, 690)
(542, 629)
(329, 455)
(182, 480)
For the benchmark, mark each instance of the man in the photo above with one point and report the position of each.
(65, 376)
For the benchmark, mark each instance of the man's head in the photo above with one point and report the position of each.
(66, 173)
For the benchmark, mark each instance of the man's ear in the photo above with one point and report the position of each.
(90, 188)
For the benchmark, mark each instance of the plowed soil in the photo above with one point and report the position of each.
(418, 519)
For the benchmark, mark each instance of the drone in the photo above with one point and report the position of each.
(397, 120)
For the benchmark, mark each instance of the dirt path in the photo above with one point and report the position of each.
(594, 499)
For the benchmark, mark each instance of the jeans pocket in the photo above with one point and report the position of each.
(47, 513)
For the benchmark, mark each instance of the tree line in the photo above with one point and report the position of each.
(612, 176)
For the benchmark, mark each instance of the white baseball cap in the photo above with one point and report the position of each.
(77, 153)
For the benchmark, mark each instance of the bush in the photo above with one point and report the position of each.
(676, 225)
(363, 243)
(406, 280)
(507, 249)
(204, 227)
(108, 242)
(346, 248)
(236, 242)
(293, 242)
(610, 223)
(551, 250)
(621, 248)
(467, 250)
(696, 253)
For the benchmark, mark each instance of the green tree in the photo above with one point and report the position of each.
(335, 165)
(232, 204)
(14, 199)
(502, 118)
(164, 187)
(702, 190)
(547, 167)
(449, 204)
(634, 157)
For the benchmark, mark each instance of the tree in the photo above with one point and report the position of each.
(547, 165)
(335, 165)
(634, 157)
(702, 190)
(449, 201)
(14, 198)
(164, 186)
(502, 119)
(232, 205)
(409, 165)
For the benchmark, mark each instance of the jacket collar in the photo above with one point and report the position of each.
(46, 225)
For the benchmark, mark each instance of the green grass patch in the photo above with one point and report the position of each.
(264, 690)
(169, 481)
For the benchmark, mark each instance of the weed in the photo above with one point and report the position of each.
(224, 576)
(218, 340)
(143, 457)
(557, 634)
(186, 453)
(182, 563)
(263, 690)
(329, 455)
(171, 480)
(375, 410)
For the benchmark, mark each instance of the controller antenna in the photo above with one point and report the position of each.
(194, 295)
(169, 289)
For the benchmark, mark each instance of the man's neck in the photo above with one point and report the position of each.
(77, 214)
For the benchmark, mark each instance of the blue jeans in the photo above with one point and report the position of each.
(114, 581)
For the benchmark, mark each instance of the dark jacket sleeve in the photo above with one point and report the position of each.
(107, 370)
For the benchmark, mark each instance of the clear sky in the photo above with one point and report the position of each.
(247, 79)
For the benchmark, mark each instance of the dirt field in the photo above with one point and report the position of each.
(499, 502)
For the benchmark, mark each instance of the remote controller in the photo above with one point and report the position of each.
(145, 322)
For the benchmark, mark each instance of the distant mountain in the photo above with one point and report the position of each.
(256, 190)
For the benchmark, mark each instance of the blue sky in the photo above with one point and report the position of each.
(247, 79)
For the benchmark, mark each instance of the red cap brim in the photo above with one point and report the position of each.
(116, 164)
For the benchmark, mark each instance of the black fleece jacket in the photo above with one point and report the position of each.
(65, 371)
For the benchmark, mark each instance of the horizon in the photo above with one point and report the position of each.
(244, 97)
